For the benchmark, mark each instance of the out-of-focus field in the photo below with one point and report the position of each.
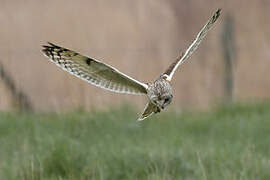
(141, 39)
(227, 143)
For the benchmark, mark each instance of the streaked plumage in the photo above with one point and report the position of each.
(93, 71)
(109, 78)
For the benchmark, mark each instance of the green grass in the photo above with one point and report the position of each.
(227, 143)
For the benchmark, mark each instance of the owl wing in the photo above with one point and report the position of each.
(149, 109)
(171, 70)
(93, 71)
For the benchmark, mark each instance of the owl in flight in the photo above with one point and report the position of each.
(107, 77)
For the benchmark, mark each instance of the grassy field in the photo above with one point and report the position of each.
(227, 143)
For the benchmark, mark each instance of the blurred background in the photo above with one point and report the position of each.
(217, 126)
(140, 38)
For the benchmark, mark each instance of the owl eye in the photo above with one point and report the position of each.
(166, 99)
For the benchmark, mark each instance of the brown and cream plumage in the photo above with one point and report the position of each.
(107, 77)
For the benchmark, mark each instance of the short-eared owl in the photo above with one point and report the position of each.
(107, 77)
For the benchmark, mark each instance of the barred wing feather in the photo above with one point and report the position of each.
(201, 35)
(93, 71)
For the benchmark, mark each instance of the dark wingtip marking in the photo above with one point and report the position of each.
(217, 14)
(46, 46)
(45, 51)
(218, 11)
(88, 61)
(53, 45)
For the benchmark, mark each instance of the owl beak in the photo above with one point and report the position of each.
(166, 102)
(161, 104)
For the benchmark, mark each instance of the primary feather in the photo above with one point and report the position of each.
(171, 70)
(93, 71)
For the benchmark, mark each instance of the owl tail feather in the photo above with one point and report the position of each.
(149, 109)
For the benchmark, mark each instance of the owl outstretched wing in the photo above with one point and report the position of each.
(93, 71)
(172, 68)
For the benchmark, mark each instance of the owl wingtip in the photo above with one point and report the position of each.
(217, 13)
(141, 118)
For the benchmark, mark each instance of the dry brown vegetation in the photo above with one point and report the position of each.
(140, 38)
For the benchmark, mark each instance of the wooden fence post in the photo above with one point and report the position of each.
(228, 48)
